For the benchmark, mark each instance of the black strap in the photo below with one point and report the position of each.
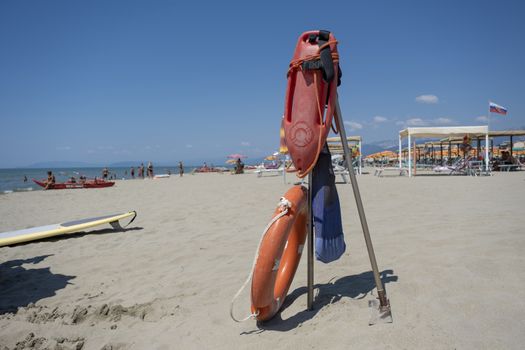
(326, 56)
(325, 63)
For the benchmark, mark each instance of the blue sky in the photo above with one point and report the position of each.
(106, 81)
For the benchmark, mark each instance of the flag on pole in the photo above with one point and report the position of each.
(495, 108)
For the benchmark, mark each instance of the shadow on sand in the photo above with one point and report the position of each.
(80, 234)
(21, 286)
(354, 286)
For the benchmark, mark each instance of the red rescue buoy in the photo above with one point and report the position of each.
(311, 93)
(279, 255)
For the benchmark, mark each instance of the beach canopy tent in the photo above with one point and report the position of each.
(492, 134)
(507, 133)
(439, 132)
(335, 146)
(501, 133)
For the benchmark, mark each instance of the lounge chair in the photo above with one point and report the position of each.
(340, 167)
(459, 167)
(380, 172)
(261, 171)
(273, 168)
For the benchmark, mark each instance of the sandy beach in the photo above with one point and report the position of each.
(450, 249)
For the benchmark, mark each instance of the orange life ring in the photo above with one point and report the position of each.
(279, 255)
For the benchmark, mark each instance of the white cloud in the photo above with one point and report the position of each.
(354, 125)
(379, 119)
(64, 148)
(245, 144)
(482, 118)
(428, 99)
(416, 122)
(444, 121)
(189, 146)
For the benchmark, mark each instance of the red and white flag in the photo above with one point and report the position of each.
(495, 108)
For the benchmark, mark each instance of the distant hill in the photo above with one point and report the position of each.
(61, 164)
(217, 161)
(126, 164)
(378, 146)
(369, 149)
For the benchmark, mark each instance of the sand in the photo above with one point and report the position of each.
(450, 250)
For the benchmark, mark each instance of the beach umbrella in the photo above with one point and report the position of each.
(282, 142)
(236, 156)
(382, 154)
(283, 149)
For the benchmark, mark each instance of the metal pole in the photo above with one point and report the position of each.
(409, 156)
(449, 152)
(415, 155)
(360, 209)
(441, 157)
(310, 239)
(361, 156)
(487, 152)
(400, 151)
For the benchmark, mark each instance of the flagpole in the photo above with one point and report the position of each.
(488, 127)
(489, 117)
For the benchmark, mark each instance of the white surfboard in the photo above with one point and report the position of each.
(34, 233)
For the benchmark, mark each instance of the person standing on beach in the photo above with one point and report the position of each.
(181, 169)
(150, 170)
(132, 172)
(105, 173)
(141, 170)
(50, 180)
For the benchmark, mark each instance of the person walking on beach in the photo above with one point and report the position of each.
(132, 172)
(141, 170)
(181, 169)
(25, 178)
(105, 173)
(50, 180)
(150, 170)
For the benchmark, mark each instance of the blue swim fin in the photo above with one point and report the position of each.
(329, 238)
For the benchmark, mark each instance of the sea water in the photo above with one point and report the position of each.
(12, 180)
